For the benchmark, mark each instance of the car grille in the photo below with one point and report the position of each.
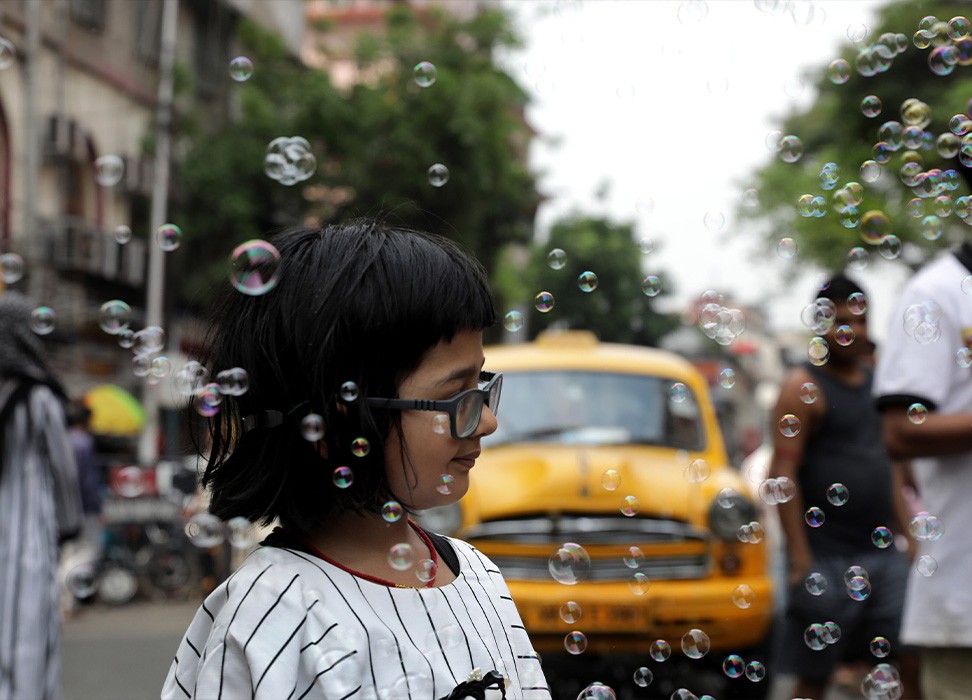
(554, 531)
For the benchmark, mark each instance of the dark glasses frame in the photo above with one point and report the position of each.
(491, 384)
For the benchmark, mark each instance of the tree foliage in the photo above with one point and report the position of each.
(374, 142)
(834, 129)
(617, 310)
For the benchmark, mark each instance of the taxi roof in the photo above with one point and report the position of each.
(582, 351)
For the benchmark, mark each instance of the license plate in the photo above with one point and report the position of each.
(593, 617)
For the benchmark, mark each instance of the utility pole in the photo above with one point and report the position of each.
(148, 451)
(33, 243)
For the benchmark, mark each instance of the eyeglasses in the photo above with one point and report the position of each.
(464, 409)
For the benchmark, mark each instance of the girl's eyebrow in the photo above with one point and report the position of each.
(461, 373)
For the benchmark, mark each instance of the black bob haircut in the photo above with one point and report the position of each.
(356, 302)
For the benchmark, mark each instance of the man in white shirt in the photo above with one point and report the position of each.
(923, 386)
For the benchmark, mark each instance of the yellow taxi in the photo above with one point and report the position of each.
(607, 500)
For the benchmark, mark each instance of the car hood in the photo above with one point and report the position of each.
(517, 480)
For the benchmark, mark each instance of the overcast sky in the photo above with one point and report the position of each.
(669, 104)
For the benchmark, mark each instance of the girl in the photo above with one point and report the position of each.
(367, 402)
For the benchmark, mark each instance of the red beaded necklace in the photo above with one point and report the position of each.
(308, 547)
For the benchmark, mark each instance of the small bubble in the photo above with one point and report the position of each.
(8, 53)
(857, 258)
(755, 671)
(727, 378)
(513, 321)
(646, 246)
(815, 583)
(445, 484)
(743, 596)
(651, 286)
(401, 556)
(557, 259)
(814, 516)
(925, 526)
(610, 480)
(791, 149)
(786, 248)
(695, 644)
(714, 220)
(857, 303)
(426, 570)
(240, 533)
(838, 72)
(813, 637)
(115, 316)
(844, 335)
(837, 494)
(697, 471)
(160, 367)
(342, 477)
(570, 564)
(109, 170)
(575, 642)
(312, 427)
(926, 565)
(963, 358)
(890, 247)
(789, 425)
(917, 413)
(240, 69)
(880, 647)
(660, 650)
(425, 74)
(634, 558)
(205, 530)
(391, 512)
(254, 267)
(587, 281)
(808, 392)
(645, 205)
(234, 381)
(881, 537)
(438, 175)
(440, 424)
(122, 234)
(570, 612)
(360, 447)
(168, 237)
(678, 392)
(639, 583)
(349, 391)
(871, 106)
(631, 506)
(42, 320)
(643, 677)
(544, 302)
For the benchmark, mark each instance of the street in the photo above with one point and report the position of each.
(122, 653)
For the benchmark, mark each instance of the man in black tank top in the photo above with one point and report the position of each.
(847, 506)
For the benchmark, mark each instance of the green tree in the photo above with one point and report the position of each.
(617, 309)
(374, 143)
(835, 129)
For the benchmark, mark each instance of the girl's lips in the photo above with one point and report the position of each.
(467, 460)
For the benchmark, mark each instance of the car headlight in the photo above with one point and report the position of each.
(444, 520)
(728, 512)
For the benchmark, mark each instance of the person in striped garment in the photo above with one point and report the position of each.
(40, 505)
(367, 402)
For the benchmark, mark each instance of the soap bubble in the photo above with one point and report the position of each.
(425, 74)
(205, 530)
(312, 427)
(587, 281)
(695, 644)
(289, 160)
(254, 267)
(109, 170)
(556, 259)
(570, 564)
(11, 267)
(114, 316)
(660, 650)
(122, 234)
(544, 302)
(438, 174)
(168, 237)
(575, 642)
(42, 320)
(838, 72)
(513, 321)
(8, 53)
(791, 149)
(240, 69)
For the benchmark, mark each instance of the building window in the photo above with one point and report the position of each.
(148, 30)
(89, 13)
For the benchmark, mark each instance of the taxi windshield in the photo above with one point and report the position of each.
(572, 407)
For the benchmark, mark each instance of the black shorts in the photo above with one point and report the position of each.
(879, 615)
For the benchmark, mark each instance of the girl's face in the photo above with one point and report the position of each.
(435, 469)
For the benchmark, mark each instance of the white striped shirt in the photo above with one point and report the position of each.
(290, 625)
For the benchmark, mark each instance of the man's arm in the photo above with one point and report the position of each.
(788, 455)
(940, 434)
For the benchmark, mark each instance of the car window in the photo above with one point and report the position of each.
(597, 408)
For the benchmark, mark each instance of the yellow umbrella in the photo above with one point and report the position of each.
(114, 411)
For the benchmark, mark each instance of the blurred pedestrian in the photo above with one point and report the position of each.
(923, 387)
(843, 513)
(40, 505)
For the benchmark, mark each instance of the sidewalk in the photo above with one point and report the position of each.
(122, 653)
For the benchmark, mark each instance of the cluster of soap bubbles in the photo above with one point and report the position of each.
(193, 382)
(719, 322)
(750, 533)
(205, 530)
(922, 321)
(734, 666)
(289, 160)
(776, 490)
(857, 583)
(819, 635)
(951, 42)
(883, 682)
